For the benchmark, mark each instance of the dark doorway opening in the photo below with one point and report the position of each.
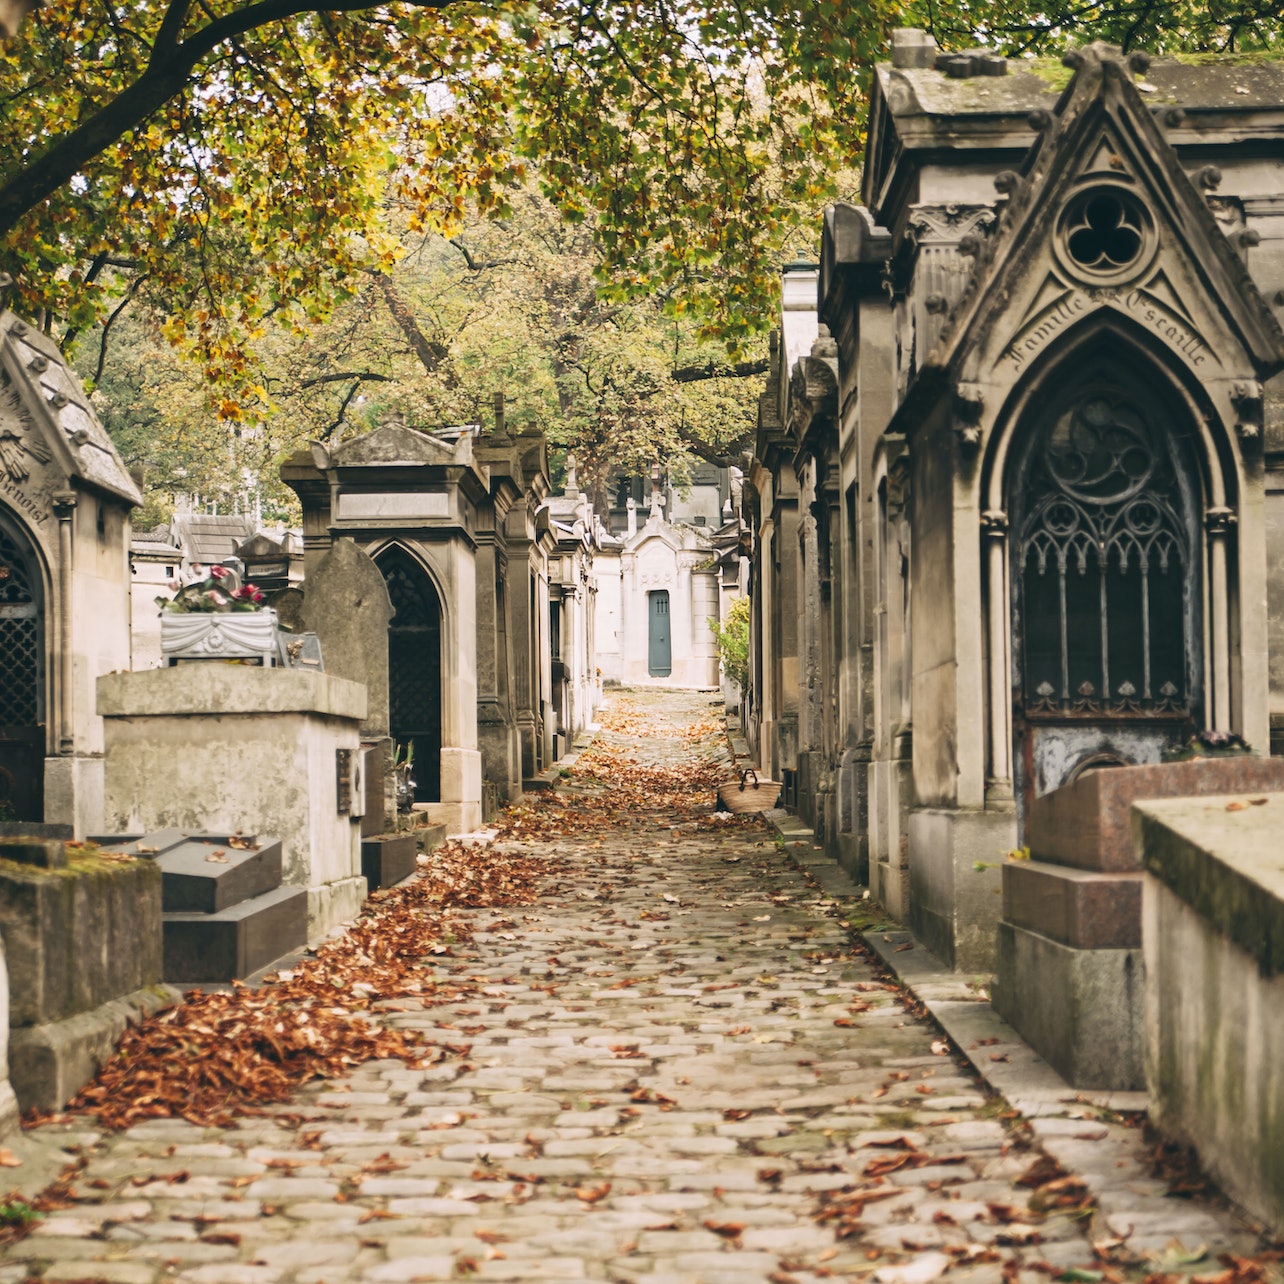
(22, 679)
(414, 669)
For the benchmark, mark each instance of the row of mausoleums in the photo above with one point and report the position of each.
(1017, 471)
(484, 613)
(1018, 519)
(452, 626)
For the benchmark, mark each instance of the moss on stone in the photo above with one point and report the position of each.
(1052, 71)
(81, 863)
(1241, 57)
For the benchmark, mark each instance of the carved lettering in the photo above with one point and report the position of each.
(23, 502)
(1050, 323)
(1145, 309)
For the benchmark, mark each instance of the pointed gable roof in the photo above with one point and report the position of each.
(1103, 138)
(43, 408)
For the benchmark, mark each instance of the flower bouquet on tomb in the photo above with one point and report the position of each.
(216, 617)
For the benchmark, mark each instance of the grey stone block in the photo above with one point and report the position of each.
(79, 936)
(237, 941)
(1081, 1010)
(955, 898)
(388, 859)
(204, 873)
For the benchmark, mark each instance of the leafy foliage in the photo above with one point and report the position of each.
(241, 171)
(509, 305)
(733, 642)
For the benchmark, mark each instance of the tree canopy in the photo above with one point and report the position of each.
(243, 171)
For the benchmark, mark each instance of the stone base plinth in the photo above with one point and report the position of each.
(1080, 908)
(227, 748)
(890, 789)
(1080, 1010)
(460, 808)
(51, 1062)
(955, 895)
(388, 859)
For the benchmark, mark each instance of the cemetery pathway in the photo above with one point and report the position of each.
(679, 1065)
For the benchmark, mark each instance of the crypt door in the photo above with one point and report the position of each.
(659, 639)
(22, 674)
(1106, 580)
(414, 669)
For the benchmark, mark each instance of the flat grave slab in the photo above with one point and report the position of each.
(205, 873)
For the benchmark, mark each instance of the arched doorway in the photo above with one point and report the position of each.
(1106, 582)
(414, 668)
(22, 678)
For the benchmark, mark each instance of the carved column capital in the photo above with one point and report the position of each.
(1218, 521)
(994, 522)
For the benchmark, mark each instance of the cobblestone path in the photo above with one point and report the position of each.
(679, 1062)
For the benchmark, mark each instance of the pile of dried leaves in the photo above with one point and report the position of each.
(216, 1054)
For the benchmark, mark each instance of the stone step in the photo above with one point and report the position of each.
(205, 873)
(232, 943)
(387, 859)
(1086, 909)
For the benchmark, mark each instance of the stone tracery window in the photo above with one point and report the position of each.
(1104, 558)
(1105, 235)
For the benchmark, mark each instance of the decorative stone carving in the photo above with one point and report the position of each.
(1246, 395)
(969, 401)
(223, 636)
(941, 270)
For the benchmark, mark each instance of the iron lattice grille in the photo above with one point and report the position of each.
(1104, 559)
(414, 669)
(20, 642)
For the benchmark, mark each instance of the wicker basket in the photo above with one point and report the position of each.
(748, 794)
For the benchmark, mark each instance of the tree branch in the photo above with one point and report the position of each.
(742, 370)
(163, 78)
(429, 353)
(474, 264)
(368, 375)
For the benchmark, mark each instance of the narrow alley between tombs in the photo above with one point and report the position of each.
(651, 1050)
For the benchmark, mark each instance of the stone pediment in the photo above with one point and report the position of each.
(1101, 219)
(394, 444)
(261, 546)
(50, 437)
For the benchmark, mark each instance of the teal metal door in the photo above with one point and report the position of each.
(659, 645)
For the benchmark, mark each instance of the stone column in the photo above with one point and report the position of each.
(994, 524)
(521, 627)
(1218, 522)
(494, 718)
(64, 506)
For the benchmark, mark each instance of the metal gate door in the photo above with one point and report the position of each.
(414, 669)
(659, 645)
(22, 662)
(1106, 585)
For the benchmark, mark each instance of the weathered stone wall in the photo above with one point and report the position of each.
(1213, 932)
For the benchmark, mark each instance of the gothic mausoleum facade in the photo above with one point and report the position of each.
(1020, 502)
(65, 504)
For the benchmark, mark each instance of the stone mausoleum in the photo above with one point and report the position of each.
(1018, 496)
(65, 503)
